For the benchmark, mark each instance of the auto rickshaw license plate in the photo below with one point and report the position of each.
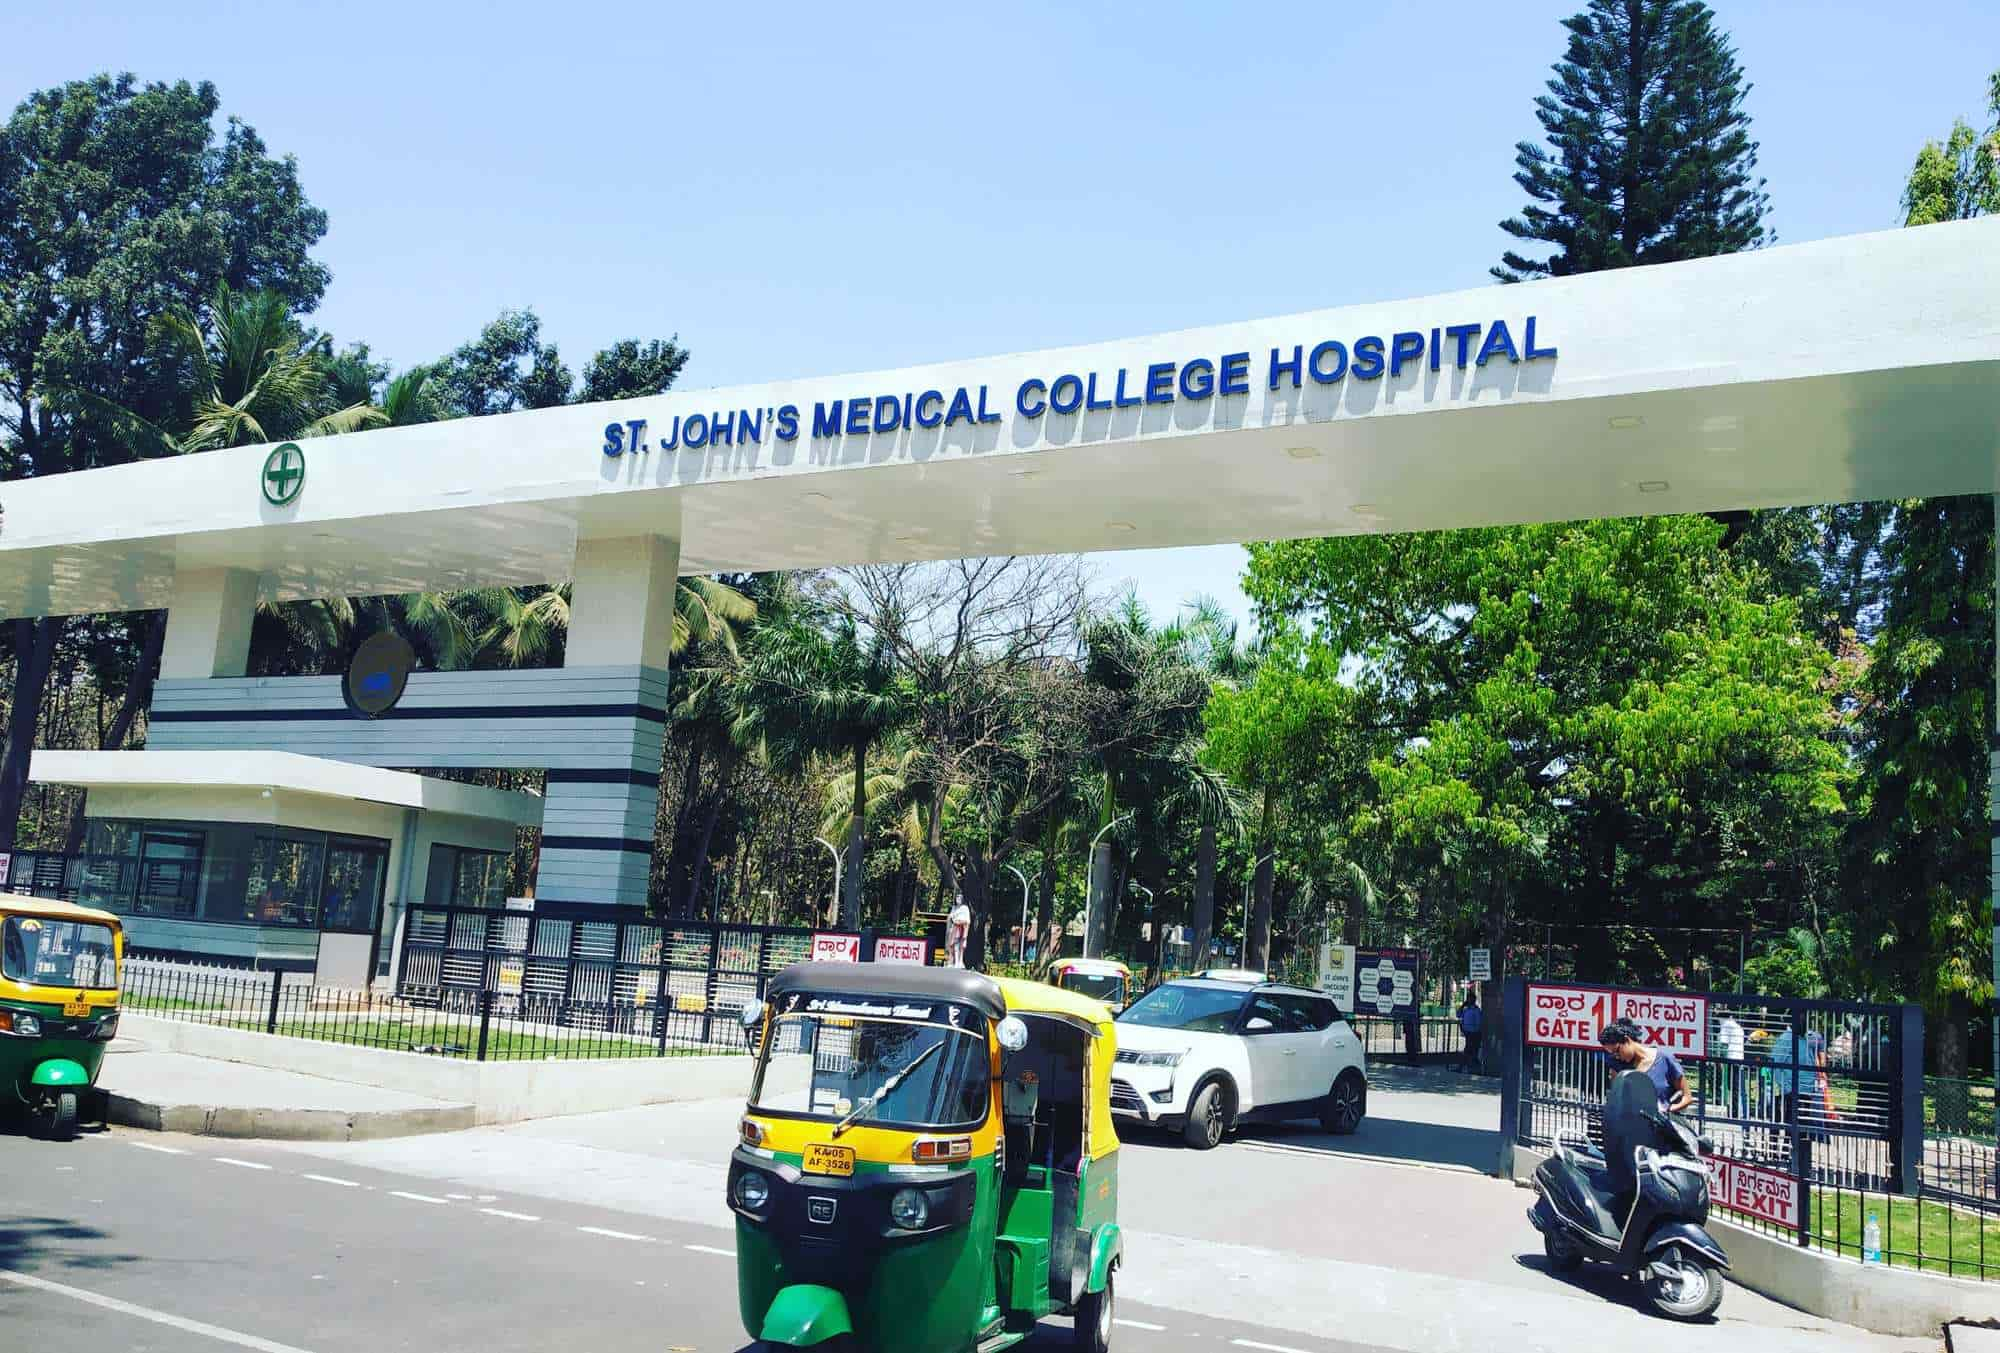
(75, 1009)
(833, 1160)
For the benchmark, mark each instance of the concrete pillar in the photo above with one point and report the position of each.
(621, 604)
(598, 820)
(208, 624)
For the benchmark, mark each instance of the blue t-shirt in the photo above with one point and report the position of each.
(1469, 1019)
(1664, 1071)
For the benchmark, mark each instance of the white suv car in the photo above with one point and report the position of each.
(1202, 1054)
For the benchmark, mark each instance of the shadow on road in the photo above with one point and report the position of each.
(31, 1243)
(1432, 1080)
(1419, 1143)
(1602, 1282)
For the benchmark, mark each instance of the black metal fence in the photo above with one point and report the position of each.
(1824, 1128)
(681, 980)
(440, 1021)
(1419, 1040)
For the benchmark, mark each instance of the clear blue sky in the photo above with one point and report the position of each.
(806, 190)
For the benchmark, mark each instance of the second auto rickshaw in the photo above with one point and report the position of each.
(1101, 979)
(927, 1163)
(59, 967)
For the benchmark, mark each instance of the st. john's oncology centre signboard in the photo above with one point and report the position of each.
(1572, 1016)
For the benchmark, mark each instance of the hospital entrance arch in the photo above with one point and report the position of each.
(1859, 368)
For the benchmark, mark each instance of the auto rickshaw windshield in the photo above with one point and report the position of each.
(1098, 986)
(38, 951)
(882, 1072)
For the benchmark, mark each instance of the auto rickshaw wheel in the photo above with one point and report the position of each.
(63, 1116)
(1095, 1314)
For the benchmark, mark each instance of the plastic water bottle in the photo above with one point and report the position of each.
(1871, 1241)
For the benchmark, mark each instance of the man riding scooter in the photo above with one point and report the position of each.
(1641, 1206)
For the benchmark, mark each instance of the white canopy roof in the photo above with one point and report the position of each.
(286, 771)
(1847, 369)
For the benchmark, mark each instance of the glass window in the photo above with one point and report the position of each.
(284, 880)
(356, 872)
(49, 953)
(169, 874)
(1178, 1005)
(1097, 986)
(1304, 1014)
(1266, 1007)
(462, 877)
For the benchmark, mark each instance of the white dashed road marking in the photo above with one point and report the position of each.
(1141, 1325)
(418, 1197)
(163, 1150)
(329, 1179)
(240, 1164)
(1267, 1348)
(179, 1322)
(510, 1216)
(710, 1249)
(615, 1235)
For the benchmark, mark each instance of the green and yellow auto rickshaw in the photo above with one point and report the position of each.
(59, 970)
(927, 1162)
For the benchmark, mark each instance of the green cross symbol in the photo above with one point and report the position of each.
(284, 474)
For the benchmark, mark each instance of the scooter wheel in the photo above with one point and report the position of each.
(1562, 1254)
(62, 1125)
(1684, 1286)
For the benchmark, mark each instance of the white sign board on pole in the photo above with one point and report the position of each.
(1481, 967)
(901, 949)
(836, 948)
(6, 862)
(1336, 975)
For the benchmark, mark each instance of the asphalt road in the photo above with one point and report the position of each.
(156, 1244)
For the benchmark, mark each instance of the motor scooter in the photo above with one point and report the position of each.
(1646, 1221)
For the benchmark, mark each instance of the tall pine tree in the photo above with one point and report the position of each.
(1649, 157)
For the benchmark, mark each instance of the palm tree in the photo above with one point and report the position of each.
(812, 686)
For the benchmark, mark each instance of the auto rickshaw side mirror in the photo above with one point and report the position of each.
(1012, 1033)
(752, 1013)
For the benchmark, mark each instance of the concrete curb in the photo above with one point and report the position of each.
(286, 1125)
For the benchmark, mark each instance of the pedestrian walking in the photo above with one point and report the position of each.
(1472, 1023)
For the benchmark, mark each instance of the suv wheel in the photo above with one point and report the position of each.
(1207, 1117)
(1345, 1105)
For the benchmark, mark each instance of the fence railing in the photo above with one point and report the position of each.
(694, 975)
(1387, 1037)
(1819, 1114)
(447, 1022)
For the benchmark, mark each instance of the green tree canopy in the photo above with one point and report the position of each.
(1649, 157)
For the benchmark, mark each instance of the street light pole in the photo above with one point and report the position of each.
(1021, 946)
(1090, 887)
(836, 872)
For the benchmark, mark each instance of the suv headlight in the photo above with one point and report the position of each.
(1151, 1058)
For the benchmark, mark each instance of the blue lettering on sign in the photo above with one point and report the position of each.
(1325, 361)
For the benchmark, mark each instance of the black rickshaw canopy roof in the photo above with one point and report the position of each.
(956, 985)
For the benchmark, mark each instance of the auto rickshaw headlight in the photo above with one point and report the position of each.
(20, 1023)
(910, 1210)
(107, 1028)
(753, 1191)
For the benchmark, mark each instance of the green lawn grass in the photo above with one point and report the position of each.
(1949, 1242)
(461, 1039)
(137, 1002)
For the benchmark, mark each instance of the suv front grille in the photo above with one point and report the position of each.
(1125, 1097)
